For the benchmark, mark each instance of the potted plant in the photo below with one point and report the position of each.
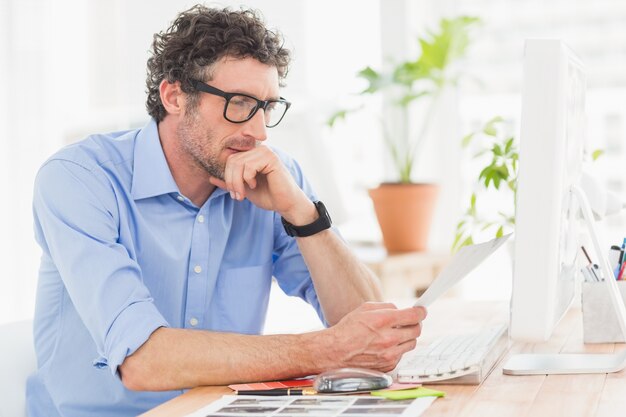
(404, 208)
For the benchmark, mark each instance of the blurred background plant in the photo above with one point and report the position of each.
(408, 82)
(500, 150)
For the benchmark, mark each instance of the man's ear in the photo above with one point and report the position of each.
(172, 97)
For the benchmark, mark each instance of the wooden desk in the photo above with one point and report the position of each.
(600, 395)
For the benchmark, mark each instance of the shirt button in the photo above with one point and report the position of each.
(180, 198)
(193, 321)
(201, 218)
(197, 269)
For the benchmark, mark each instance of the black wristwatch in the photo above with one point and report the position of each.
(323, 222)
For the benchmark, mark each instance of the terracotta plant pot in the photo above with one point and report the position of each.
(404, 213)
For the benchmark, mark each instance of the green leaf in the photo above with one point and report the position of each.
(487, 175)
(466, 242)
(408, 72)
(335, 117)
(512, 185)
(457, 239)
(481, 153)
(472, 208)
(369, 74)
(440, 48)
(500, 232)
(486, 226)
(495, 120)
(467, 139)
(498, 173)
(408, 98)
(490, 127)
(507, 145)
(490, 130)
(375, 80)
(596, 154)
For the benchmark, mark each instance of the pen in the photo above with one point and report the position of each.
(615, 256)
(586, 254)
(279, 391)
(621, 260)
(596, 271)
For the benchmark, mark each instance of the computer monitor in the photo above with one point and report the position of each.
(550, 201)
(547, 239)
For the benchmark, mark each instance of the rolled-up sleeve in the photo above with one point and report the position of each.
(77, 225)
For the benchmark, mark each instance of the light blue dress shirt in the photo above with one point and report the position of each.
(124, 252)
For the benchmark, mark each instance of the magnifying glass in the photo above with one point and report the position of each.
(351, 380)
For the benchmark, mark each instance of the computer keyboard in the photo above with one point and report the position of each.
(456, 359)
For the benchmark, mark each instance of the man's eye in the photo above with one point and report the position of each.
(236, 101)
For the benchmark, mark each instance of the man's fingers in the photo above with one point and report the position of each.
(233, 174)
(407, 317)
(407, 333)
(218, 183)
(384, 359)
(242, 169)
(237, 181)
(392, 356)
(249, 176)
(367, 306)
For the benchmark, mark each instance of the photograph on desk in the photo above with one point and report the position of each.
(227, 406)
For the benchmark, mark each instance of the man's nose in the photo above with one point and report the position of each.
(255, 127)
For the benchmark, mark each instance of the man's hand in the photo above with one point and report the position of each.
(260, 176)
(373, 336)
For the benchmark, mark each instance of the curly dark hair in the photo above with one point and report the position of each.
(201, 36)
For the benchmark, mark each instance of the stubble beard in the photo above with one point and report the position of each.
(199, 145)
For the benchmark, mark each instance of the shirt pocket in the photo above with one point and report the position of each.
(242, 298)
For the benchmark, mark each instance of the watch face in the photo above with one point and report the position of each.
(324, 219)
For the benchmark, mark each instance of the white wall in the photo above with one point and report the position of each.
(71, 68)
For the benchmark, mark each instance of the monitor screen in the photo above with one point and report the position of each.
(547, 239)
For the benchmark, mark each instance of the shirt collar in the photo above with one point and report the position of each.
(151, 174)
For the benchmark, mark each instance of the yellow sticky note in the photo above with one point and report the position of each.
(407, 394)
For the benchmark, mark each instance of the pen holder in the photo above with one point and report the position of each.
(599, 319)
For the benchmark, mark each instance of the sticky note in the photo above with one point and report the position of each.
(406, 394)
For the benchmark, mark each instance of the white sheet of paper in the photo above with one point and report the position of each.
(463, 262)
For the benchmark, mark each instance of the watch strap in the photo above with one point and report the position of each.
(323, 222)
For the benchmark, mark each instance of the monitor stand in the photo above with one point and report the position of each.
(578, 363)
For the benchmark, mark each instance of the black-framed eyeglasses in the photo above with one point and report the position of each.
(240, 108)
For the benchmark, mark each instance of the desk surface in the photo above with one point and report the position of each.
(598, 395)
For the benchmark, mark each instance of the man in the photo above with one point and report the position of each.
(159, 244)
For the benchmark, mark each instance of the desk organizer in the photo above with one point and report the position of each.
(599, 319)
